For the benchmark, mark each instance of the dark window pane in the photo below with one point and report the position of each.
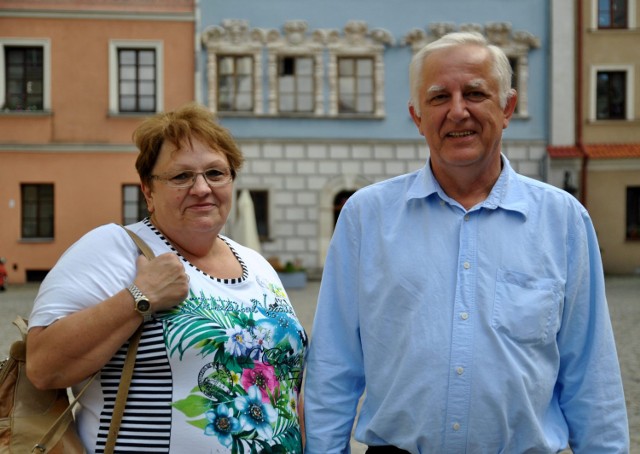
(612, 13)
(134, 205)
(611, 95)
(260, 200)
(24, 71)
(633, 213)
(37, 210)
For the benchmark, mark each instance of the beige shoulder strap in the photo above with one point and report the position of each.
(129, 362)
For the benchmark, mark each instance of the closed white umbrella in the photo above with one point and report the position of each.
(245, 229)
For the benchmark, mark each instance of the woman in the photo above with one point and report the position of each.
(220, 361)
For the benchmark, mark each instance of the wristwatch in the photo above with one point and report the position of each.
(141, 303)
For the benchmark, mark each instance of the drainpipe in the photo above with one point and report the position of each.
(579, 97)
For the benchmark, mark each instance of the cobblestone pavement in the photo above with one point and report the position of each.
(624, 305)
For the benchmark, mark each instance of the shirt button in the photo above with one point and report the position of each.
(441, 203)
(466, 265)
(460, 370)
(456, 426)
(466, 217)
(464, 315)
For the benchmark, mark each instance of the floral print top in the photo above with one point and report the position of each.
(244, 348)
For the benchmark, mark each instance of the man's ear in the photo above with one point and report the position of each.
(509, 108)
(415, 116)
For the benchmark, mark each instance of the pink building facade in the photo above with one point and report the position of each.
(76, 78)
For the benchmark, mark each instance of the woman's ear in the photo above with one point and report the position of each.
(148, 196)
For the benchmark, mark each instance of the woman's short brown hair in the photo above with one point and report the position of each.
(178, 127)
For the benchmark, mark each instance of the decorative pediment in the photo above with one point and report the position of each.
(235, 34)
(498, 33)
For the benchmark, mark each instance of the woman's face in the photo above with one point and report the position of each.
(199, 208)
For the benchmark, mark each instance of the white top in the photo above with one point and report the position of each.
(220, 371)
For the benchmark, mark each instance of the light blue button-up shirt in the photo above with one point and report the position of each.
(479, 331)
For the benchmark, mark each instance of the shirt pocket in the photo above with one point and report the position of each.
(526, 308)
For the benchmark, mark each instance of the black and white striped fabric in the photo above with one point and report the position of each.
(146, 424)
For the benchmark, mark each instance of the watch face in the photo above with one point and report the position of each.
(143, 305)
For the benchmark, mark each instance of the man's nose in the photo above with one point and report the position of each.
(458, 108)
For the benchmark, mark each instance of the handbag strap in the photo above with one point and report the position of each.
(129, 363)
(60, 425)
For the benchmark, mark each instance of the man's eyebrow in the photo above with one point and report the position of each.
(435, 89)
(476, 83)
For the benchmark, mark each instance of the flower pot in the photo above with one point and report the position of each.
(297, 279)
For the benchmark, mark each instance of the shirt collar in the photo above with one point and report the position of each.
(507, 193)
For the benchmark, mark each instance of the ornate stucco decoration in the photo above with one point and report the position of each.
(516, 46)
(234, 37)
(358, 41)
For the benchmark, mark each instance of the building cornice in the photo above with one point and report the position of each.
(99, 15)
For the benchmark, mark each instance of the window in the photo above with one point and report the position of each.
(338, 203)
(633, 213)
(134, 205)
(611, 95)
(135, 77)
(355, 85)
(137, 80)
(260, 199)
(37, 210)
(235, 83)
(612, 14)
(25, 75)
(295, 84)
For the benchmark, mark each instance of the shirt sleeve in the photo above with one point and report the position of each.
(335, 370)
(589, 381)
(98, 265)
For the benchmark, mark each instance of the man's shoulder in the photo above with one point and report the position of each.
(392, 187)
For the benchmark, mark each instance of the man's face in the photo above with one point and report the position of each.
(460, 113)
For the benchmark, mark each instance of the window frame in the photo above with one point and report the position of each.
(140, 203)
(611, 25)
(631, 17)
(262, 222)
(632, 214)
(46, 71)
(38, 218)
(114, 90)
(356, 94)
(629, 92)
(235, 77)
(296, 77)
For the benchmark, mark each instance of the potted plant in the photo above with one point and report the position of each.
(292, 274)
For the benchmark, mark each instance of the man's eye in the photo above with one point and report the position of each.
(438, 99)
(184, 176)
(476, 95)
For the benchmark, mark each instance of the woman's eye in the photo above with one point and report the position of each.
(213, 173)
(184, 176)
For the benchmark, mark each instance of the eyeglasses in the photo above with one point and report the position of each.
(187, 178)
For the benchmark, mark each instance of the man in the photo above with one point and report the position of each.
(468, 300)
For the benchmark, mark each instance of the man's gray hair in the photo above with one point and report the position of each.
(501, 65)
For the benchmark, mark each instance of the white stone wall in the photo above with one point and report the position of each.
(304, 177)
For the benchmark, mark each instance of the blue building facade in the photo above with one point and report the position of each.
(316, 94)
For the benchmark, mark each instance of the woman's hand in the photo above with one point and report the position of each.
(162, 280)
